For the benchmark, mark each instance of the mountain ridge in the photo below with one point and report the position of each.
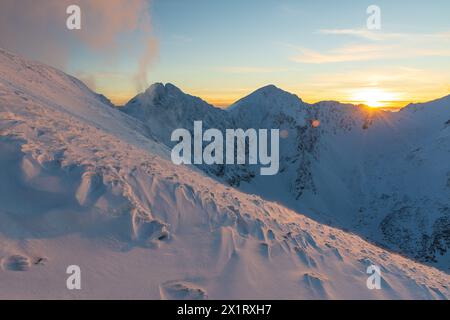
(270, 89)
(315, 150)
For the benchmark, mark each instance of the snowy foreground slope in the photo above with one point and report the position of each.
(81, 183)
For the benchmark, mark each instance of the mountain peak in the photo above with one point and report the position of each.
(166, 96)
(157, 93)
(159, 89)
(268, 88)
(272, 90)
(269, 97)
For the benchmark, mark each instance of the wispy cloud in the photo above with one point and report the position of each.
(343, 54)
(377, 35)
(354, 53)
(376, 45)
(246, 70)
(361, 33)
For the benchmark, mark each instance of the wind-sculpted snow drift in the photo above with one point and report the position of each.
(84, 184)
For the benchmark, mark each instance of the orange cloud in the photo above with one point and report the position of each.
(37, 29)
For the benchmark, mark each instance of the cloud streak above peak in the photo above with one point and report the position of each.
(37, 29)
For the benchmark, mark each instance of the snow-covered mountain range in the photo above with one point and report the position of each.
(382, 175)
(84, 183)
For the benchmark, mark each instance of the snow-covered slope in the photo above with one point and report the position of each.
(382, 175)
(165, 108)
(379, 174)
(82, 184)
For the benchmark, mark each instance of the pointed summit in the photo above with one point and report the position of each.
(270, 92)
(159, 88)
(160, 95)
(157, 94)
(164, 108)
(268, 98)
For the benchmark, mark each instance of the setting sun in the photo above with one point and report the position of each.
(375, 98)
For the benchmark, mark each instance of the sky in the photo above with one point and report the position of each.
(224, 50)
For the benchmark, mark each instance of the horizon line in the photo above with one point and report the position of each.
(392, 105)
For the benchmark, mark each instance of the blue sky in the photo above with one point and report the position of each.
(222, 50)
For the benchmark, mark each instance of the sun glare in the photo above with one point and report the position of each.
(374, 98)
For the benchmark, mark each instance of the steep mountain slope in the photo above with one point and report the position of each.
(164, 108)
(83, 184)
(382, 175)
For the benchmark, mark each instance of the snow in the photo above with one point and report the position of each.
(83, 183)
(357, 170)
